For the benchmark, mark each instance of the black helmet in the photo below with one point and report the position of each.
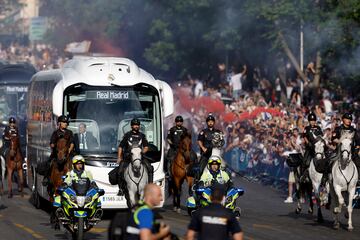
(179, 119)
(12, 120)
(312, 117)
(347, 116)
(210, 117)
(63, 119)
(135, 121)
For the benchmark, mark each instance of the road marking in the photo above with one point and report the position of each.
(29, 230)
(98, 230)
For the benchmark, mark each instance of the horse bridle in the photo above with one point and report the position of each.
(322, 154)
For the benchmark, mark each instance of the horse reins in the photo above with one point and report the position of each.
(142, 174)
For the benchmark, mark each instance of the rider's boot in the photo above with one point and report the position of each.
(151, 174)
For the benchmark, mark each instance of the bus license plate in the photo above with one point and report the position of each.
(112, 198)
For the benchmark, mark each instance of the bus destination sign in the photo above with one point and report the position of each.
(106, 95)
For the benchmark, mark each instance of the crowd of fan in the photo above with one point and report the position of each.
(259, 145)
(41, 56)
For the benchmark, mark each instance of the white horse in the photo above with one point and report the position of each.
(314, 175)
(345, 176)
(136, 176)
(2, 172)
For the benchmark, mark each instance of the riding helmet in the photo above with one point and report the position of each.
(347, 116)
(312, 117)
(210, 117)
(135, 121)
(179, 119)
(63, 119)
(78, 158)
(214, 159)
(12, 120)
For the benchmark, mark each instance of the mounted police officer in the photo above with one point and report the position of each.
(61, 132)
(205, 141)
(346, 127)
(134, 136)
(310, 132)
(10, 131)
(173, 138)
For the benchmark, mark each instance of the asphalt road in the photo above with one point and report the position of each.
(264, 216)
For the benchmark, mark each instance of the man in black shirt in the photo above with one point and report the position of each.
(132, 137)
(205, 138)
(214, 221)
(173, 138)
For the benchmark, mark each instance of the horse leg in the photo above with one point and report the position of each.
(311, 203)
(340, 199)
(21, 181)
(190, 183)
(320, 218)
(10, 172)
(176, 189)
(350, 209)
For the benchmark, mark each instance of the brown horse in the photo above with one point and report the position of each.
(14, 161)
(60, 165)
(179, 170)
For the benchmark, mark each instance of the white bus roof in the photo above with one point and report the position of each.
(96, 71)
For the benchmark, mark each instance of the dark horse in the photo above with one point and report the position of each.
(60, 165)
(179, 170)
(14, 161)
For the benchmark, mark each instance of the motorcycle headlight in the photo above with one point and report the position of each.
(88, 199)
(73, 198)
(80, 201)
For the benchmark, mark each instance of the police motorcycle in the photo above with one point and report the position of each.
(79, 206)
(201, 198)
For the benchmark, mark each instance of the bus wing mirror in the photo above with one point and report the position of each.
(167, 98)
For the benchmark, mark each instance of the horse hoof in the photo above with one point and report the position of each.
(350, 229)
(178, 210)
(175, 208)
(336, 226)
(310, 211)
(298, 210)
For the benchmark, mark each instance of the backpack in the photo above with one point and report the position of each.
(114, 175)
(118, 225)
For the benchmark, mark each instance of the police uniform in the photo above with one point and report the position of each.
(356, 141)
(174, 136)
(57, 134)
(7, 134)
(141, 218)
(214, 222)
(134, 138)
(309, 133)
(206, 136)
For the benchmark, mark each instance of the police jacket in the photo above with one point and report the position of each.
(309, 133)
(342, 128)
(214, 222)
(206, 136)
(65, 133)
(141, 218)
(75, 175)
(174, 135)
(10, 132)
(208, 177)
(130, 138)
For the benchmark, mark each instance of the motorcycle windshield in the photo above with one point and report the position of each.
(81, 186)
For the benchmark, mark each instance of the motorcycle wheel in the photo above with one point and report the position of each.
(80, 230)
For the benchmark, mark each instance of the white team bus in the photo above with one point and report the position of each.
(105, 93)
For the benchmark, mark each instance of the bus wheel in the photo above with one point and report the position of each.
(35, 197)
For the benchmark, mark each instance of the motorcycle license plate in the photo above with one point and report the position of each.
(112, 198)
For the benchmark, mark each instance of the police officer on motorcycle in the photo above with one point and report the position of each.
(205, 141)
(173, 138)
(78, 171)
(134, 136)
(61, 132)
(213, 174)
(10, 131)
(346, 127)
(310, 132)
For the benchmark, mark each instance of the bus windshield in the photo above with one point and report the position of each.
(106, 112)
